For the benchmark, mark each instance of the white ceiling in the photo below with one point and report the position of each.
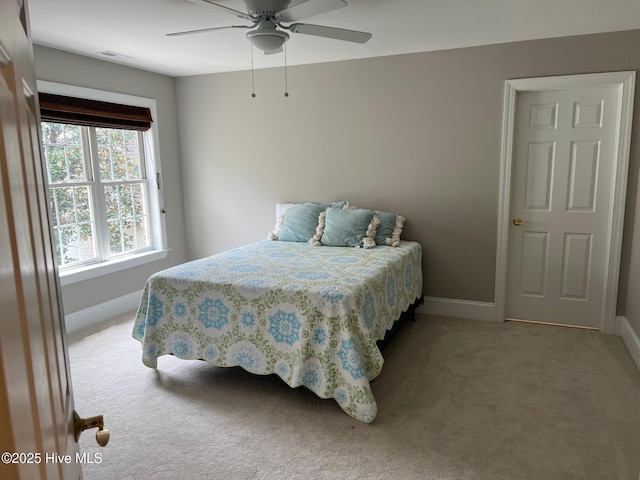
(136, 29)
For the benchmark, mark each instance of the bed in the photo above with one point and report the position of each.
(312, 315)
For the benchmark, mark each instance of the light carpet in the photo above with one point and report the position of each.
(457, 399)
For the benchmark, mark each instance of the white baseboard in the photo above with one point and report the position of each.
(447, 307)
(630, 337)
(104, 311)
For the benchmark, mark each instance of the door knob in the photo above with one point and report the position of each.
(82, 424)
(518, 221)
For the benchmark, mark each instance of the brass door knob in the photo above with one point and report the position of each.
(518, 221)
(82, 424)
(102, 437)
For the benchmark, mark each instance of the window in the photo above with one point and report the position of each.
(98, 192)
(104, 181)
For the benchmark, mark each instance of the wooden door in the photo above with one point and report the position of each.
(36, 399)
(563, 164)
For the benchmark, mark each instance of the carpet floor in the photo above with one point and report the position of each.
(457, 399)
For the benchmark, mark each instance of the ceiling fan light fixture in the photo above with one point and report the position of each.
(267, 40)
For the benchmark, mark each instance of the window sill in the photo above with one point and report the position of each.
(104, 268)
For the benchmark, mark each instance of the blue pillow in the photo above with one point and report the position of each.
(281, 209)
(300, 221)
(349, 228)
(390, 229)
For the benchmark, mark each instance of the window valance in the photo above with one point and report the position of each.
(93, 113)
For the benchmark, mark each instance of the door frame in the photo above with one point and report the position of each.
(625, 82)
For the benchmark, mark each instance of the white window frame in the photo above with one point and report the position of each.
(157, 224)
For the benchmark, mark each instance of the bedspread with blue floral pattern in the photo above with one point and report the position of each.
(311, 315)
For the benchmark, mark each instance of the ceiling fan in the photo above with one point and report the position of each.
(268, 19)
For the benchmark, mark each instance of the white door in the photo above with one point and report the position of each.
(36, 399)
(564, 160)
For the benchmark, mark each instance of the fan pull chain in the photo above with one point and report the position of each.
(253, 85)
(286, 84)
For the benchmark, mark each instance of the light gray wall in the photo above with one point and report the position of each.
(417, 134)
(62, 67)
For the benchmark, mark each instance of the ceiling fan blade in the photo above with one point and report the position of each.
(309, 8)
(271, 52)
(203, 30)
(331, 32)
(237, 13)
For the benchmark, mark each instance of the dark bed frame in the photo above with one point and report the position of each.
(408, 314)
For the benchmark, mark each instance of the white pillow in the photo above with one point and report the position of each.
(280, 209)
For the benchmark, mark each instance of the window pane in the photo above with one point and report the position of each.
(83, 205)
(112, 163)
(73, 225)
(63, 205)
(116, 137)
(142, 239)
(112, 201)
(126, 201)
(75, 163)
(71, 204)
(63, 152)
(139, 212)
(127, 218)
(122, 235)
(104, 156)
(56, 163)
(133, 154)
(139, 205)
(115, 236)
(75, 243)
(119, 154)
